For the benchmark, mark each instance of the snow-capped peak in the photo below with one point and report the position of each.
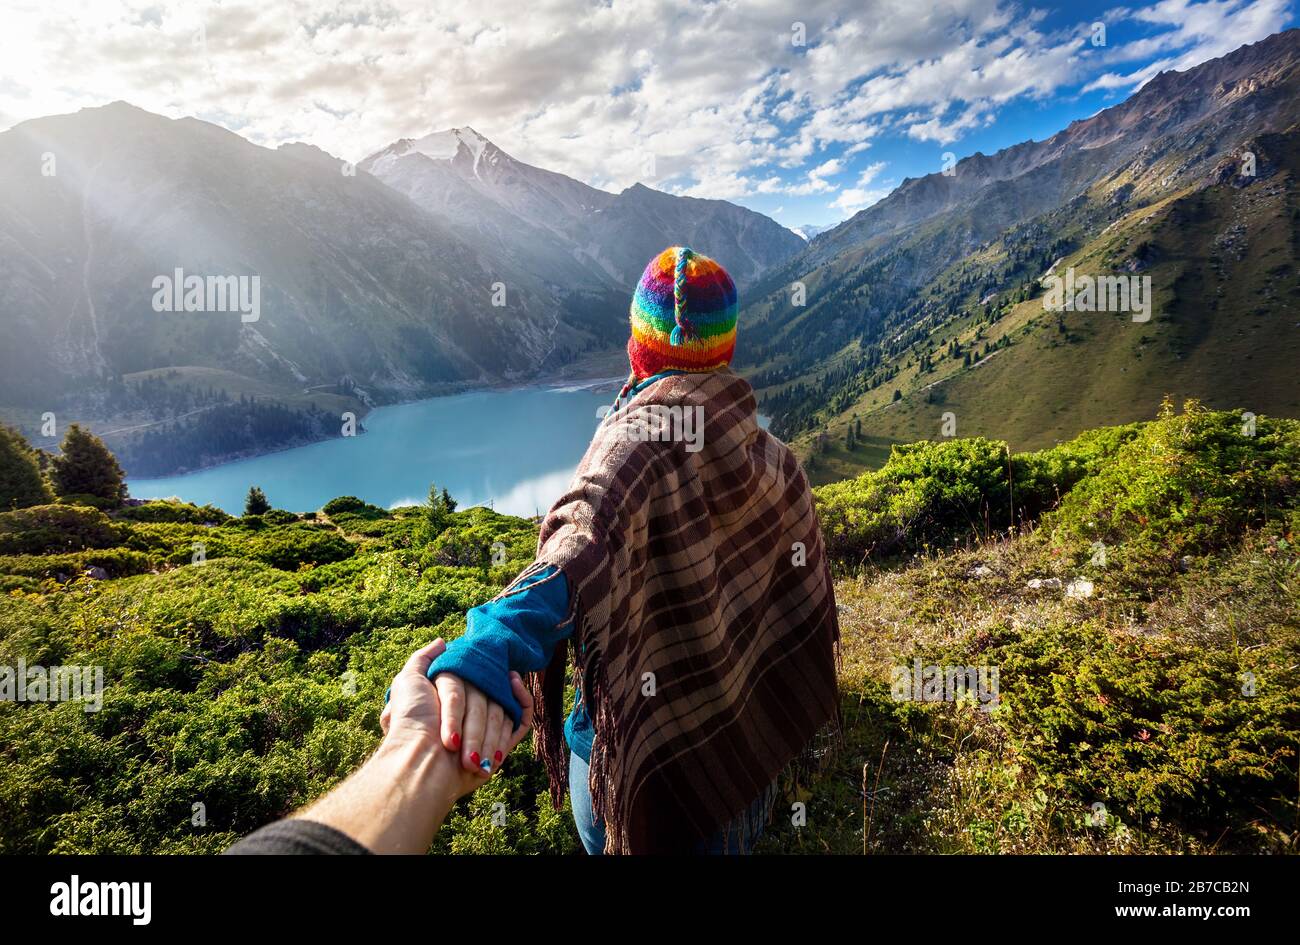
(443, 145)
(809, 230)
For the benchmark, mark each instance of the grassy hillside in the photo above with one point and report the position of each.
(1159, 680)
(246, 679)
(1224, 329)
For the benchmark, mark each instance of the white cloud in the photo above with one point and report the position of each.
(829, 168)
(943, 131)
(853, 199)
(718, 93)
(1194, 33)
(870, 172)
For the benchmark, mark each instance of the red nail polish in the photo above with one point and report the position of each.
(473, 757)
(497, 757)
(455, 740)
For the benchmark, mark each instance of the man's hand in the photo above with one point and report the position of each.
(476, 727)
(412, 710)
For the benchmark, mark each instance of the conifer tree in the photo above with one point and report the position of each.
(256, 502)
(21, 482)
(85, 466)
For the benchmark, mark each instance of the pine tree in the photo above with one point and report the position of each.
(86, 467)
(437, 514)
(256, 502)
(21, 482)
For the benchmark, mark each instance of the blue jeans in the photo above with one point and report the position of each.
(739, 836)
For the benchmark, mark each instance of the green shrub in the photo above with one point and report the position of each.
(290, 547)
(90, 501)
(118, 562)
(392, 531)
(176, 543)
(1188, 484)
(181, 512)
(1151, 727)
(934, 494)
(479, 538)
(10, 583)
(347, 503)
(56, 528)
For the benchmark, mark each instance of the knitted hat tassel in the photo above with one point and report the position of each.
(683, 329)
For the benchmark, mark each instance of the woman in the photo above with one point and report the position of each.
(686, 567)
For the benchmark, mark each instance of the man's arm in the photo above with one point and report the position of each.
(398, 799)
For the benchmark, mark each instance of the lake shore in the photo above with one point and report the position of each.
(606, 368)
(512, 447)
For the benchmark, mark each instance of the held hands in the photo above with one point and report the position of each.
(398, 799)
(439, 713)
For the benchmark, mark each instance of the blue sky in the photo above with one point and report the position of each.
(1158, 39)
(807, 111)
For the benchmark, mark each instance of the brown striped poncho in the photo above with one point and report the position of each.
(706, 625)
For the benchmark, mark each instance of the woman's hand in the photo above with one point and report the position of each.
(475, 726)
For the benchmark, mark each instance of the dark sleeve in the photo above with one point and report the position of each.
(296, 838)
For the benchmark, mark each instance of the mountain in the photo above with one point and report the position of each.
(809, 230)
(935, 292)
(471, 267)
(514, 211)
(355, 280)
(561, 229)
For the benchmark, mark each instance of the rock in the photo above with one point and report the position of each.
(1079, 589)
(844, 609)
(980, 572)
(1044, 584)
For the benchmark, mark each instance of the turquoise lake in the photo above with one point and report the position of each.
(514, 450)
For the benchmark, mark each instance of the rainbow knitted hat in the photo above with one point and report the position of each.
(683, 315)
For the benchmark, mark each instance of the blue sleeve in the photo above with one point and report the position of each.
(518, 631)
